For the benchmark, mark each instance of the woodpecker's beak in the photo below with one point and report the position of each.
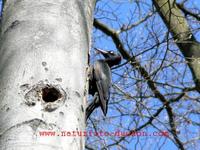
(101, 51)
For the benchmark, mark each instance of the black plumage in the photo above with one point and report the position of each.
(100, 81)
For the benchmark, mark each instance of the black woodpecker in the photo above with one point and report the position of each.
(100, 81)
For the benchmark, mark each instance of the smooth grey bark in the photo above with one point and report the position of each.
(182, 34)
(43, 70)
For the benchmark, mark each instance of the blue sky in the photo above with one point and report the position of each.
(138, 34)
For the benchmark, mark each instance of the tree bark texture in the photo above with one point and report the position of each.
(43, 69)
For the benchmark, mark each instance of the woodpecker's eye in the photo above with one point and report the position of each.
(111, 52)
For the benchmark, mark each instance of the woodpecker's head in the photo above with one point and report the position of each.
(106, 54)
(111, 57)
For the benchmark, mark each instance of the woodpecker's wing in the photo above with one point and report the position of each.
(102, 75)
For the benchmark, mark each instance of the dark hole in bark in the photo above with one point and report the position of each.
(50, 94)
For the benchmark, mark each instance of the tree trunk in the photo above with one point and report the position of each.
(43, 69)
(183, 37)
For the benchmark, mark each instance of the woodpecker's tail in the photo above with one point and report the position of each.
(94, 104)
